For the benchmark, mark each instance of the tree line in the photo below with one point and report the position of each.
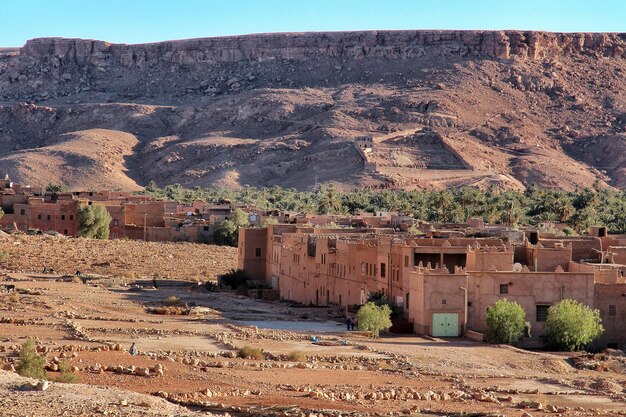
(579, 209)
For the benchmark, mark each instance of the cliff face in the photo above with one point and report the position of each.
(346, 45)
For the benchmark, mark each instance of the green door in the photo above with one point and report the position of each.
(445, 325)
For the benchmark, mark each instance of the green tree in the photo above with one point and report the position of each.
(506, 321)
(57, 188)
(227, 231)
(373, 318)
(31, 365)
(93, 222)
(329, 201)
(572, 326)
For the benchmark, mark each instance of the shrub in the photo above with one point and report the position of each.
(211, 286)
(172, 300)
(506, 321)
(66, 374)
(227, 231)
(297, 356)
(373, 318)
(31, 365)
(234, 278)
(572, 326)
(249, 352)
(93, 222)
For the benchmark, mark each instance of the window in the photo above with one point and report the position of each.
(257, 252)
(469, 303)
(71, 217)
(612, 310)
(444, 302)
(504, 288)
(62, 216)
(39, 217)
(205, 228)
(22, 212)
(115, 222)
(382, 270)
(542, 312)
(48, 217)
(406, 261)
(65, 232)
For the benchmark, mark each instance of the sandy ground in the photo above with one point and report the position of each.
(197, 352)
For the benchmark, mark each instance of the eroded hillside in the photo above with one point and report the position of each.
(444, 108)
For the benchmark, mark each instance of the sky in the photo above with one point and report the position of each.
(140, 21)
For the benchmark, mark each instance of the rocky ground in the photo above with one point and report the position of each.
(450, 108)
(188, 362)
(120, 260)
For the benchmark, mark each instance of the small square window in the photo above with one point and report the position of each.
(469, 303)
(542, 312)
(48, 217)
(39, 217)
(115, 222)
(444, 302)
(612, 310)
(62, 216)
(257, 252)
(22, 212)
(504, 288)
(71, 217)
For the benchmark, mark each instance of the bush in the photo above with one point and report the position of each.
(506, 321)
(14, 297)
(172, 300)
(211, 286)
(373, 318)
(66, 375)
(227, 231)
(93, 222)
(249, 352)
(31, 365)
(297, 356)
(234, 278)
(572, 326)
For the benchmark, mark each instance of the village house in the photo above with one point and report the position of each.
(132, 216)
(444, 281)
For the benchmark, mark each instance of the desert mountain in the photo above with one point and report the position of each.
(444, 108)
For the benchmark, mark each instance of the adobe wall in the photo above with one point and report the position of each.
(435, 293)
(249, 241)
(548, 259)
(614, 325)
(488, 260)
(152, 213)
(529, 290)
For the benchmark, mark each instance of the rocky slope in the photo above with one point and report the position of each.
(445, 108)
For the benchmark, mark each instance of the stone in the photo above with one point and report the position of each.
(42, 385)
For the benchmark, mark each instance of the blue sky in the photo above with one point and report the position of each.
(137, 21)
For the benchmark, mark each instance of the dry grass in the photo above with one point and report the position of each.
(297, 356)
(172, 300)
(249, 352)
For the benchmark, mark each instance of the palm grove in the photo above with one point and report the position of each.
(579, 209)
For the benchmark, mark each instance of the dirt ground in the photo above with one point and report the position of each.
(91, 327)
(119, 259)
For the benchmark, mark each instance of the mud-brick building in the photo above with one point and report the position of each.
(132, 216)
(443, 284)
